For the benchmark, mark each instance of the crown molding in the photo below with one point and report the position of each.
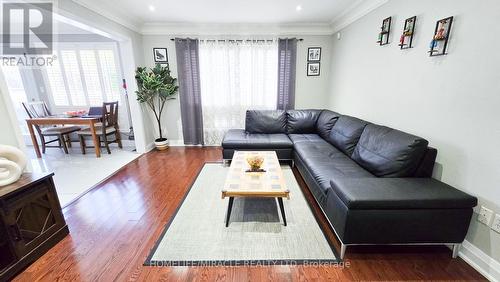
(356, 11)
(122, 20)
(236, 28)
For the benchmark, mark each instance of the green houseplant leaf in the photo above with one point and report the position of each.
(155, 87)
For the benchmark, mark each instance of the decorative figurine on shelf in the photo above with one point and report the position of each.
(12, 164)
(440, 38)
(383, 36)
(433, 45)
(406, 39)
(440, 34)
(408, 30)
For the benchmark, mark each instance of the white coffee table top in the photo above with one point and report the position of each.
(240, 183)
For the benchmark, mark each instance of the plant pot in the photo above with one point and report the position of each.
(161, 144)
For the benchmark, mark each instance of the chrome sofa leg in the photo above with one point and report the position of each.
(293, 164)
(343, 248)
(456, 248)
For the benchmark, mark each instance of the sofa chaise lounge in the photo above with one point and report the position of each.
(373, 183)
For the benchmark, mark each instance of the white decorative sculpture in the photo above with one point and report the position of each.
(12, 164)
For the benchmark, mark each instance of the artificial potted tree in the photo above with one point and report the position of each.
(155, 87)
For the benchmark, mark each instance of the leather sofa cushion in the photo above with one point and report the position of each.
(346, 132)
(265, 121)
(387, 152)
(326, 121)
(302, 121)
(305, 138)
(240, 139)
(399, 193)
(324, 162)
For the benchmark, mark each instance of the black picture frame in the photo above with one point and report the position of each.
(385, 31)
(311, 70)
(406, 39)
(439, 43)
(315, 52)
(160, 55)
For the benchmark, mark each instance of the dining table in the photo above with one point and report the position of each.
(59, 120)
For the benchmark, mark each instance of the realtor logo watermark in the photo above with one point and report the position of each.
(27, 33)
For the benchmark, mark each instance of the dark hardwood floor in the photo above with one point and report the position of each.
(115, 225)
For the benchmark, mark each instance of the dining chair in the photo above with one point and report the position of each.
(40, 110)
(108, 126)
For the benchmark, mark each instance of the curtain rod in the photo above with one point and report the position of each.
(298, 39)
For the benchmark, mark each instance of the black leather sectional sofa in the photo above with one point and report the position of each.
(372, 182)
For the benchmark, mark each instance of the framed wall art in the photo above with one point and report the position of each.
(313, 69)
(160, 55)
(314, 54)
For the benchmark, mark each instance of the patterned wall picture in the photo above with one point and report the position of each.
(160, 55)
(313, 69)
(314, 54)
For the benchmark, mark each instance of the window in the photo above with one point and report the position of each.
(235, 75)
(84, 75)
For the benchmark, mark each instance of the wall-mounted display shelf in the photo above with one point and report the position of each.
(406, 40)
(439, 42)
(385, 29)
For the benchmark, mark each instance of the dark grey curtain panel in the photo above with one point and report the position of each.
(188, 71)
(287, 57)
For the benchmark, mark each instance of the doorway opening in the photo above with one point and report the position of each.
(67, 102)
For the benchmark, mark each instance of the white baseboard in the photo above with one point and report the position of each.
(176, 143)
(171, 143)
(180, 143)
(150, 146)
(480, 261)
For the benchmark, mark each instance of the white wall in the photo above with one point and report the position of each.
(8, 136)
(171, 120)
(311, 92)
(453, 101)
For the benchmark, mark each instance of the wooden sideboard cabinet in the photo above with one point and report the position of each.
(31, 222)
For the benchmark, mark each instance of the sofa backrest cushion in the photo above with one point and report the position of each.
(345, 133)
(302, 121)
(326, 121)
(265, 121)
(388, 152)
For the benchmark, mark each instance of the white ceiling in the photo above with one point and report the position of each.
(137, 14)
(225, 11)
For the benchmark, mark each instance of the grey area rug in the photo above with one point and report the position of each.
(197, 235)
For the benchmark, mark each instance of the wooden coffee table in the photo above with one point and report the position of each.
(240, 183)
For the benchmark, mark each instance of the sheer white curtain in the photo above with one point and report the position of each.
(235, 75)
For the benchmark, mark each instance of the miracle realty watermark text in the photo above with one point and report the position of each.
(27, 34)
